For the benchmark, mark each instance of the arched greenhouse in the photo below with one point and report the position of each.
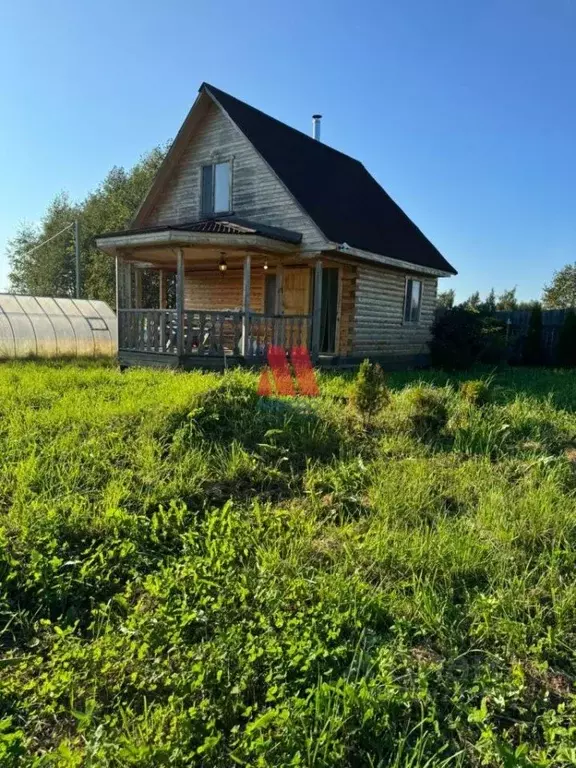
(39, 326)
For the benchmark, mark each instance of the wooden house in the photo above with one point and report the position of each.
(254, 233)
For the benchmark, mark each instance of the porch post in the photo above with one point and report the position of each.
(118, 294)
(246, 307)
(180, 301)
(316, 307)
(278, 325)
(138, 288)
(278, 307)
(161, 289)
(128, 269)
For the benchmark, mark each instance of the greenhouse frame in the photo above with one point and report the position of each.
(41, 326)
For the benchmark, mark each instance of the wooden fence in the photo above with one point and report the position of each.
(517, 322)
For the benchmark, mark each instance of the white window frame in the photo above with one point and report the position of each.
(212, 165)
(410, 320)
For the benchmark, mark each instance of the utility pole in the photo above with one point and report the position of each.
(77, 254)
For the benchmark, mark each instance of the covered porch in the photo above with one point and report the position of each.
(217, 302)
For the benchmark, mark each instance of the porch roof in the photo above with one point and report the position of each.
(229, 225)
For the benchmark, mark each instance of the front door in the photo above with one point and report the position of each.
(329, 310)
(296, 284)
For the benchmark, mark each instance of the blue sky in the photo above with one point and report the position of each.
(464, 111)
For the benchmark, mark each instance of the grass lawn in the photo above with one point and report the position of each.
(191, 575)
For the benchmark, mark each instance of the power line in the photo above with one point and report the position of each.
(76, 226)
(27, 253)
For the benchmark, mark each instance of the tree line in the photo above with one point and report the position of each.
(559, 294)
(50, 270)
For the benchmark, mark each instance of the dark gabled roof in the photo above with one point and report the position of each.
(336, 191)
(228, 225)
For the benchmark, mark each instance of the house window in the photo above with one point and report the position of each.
(216, 188)
(412, 301)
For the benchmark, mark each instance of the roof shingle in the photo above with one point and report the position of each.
(227, 225)
(336, 191)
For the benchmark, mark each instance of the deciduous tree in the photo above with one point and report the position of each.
(561, 293)
(507, 300)
(446, 299)
(50, 270)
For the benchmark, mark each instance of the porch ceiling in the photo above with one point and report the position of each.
(200, 258)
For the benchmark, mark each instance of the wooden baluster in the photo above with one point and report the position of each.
(201, 322)
(156, 331)
(213, 327)
(162, 331)
(188, 329)
(221, 334)
(208, 335)
(210, 332)
(174, 331)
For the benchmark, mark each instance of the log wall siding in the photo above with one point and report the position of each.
(379, 312)
(211, 291)
(346, 309)
(257, 194)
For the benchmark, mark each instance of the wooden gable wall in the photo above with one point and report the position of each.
(257, 194)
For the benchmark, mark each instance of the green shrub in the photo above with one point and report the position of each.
(533, 342)
(427, 412)
(567, 340)
(462, 337)
(370, 393)
(494, 345)
(476, 392)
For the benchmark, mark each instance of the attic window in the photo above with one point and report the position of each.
(216, 188)
(412, 301)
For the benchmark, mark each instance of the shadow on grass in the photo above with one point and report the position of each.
(555, 384)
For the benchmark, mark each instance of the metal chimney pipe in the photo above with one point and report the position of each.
(316, 126)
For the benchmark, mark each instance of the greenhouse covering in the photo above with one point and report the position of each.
(38, 326)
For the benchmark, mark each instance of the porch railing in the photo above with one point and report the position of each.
(209, 333)
(212, 333)
(286, 331)
(148, 330)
